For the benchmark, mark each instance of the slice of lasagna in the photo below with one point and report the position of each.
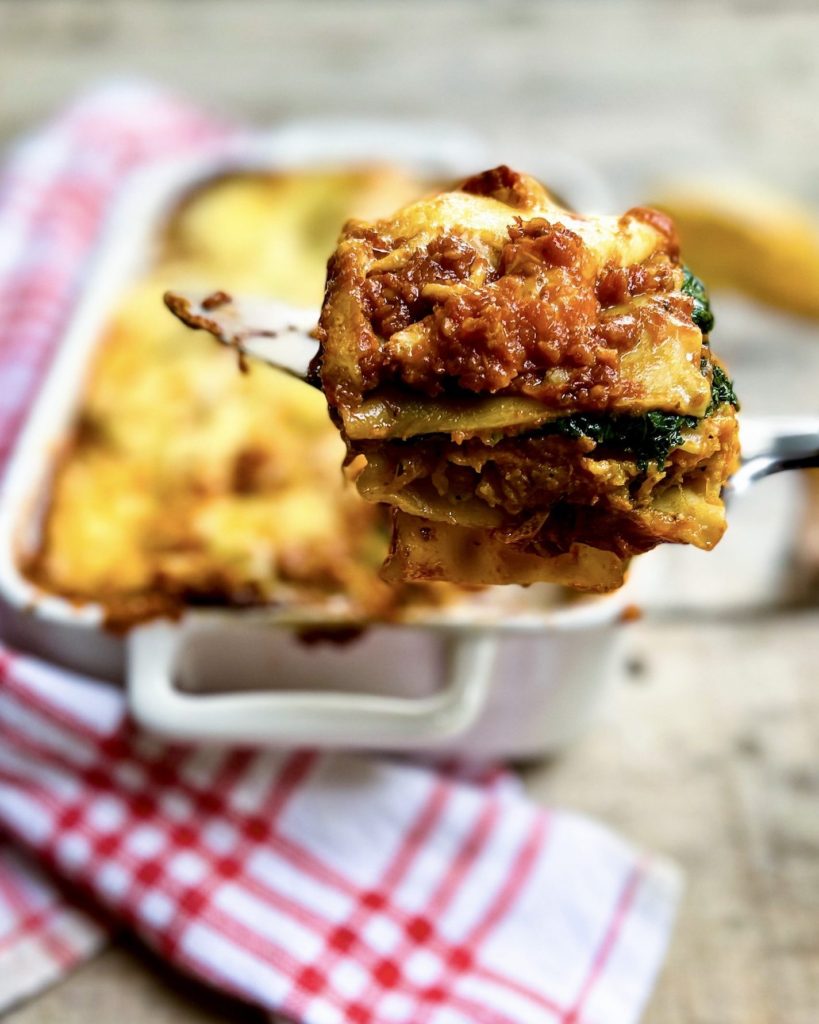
(531, 390)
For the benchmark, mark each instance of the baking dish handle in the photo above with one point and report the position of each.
(306, 718)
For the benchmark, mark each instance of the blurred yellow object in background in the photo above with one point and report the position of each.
(762, 244)
(748, 238)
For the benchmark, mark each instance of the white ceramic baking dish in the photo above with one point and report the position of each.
(506, 675)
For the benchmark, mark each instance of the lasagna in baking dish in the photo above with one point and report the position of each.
(531, 390)
(187, 482)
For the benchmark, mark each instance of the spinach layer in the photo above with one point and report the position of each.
(651, 437)
(648, 438)
(701, 315)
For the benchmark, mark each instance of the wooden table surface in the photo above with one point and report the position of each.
(709, 749)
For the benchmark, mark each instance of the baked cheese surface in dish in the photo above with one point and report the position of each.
(530, 389)
(185, 481)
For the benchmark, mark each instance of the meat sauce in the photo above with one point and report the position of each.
(507, 323)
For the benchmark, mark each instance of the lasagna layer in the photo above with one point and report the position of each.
(532, 391)
(466, 294)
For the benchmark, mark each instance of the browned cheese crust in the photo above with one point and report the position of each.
(184, 482)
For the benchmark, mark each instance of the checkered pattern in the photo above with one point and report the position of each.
(329, 889)
(332, 889)
(43, 934)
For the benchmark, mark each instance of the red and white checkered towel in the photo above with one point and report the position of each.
(326, 888)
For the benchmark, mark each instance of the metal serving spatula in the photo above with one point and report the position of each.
(283, 336)
(263, 329)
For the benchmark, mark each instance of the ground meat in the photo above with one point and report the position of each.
(501, 183)
(490, 337)
(394, 299)
(598, 526)
(526, 473)
(527, 312)
(616, 285)
(539, 310)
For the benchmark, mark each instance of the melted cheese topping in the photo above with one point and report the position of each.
(186, 480)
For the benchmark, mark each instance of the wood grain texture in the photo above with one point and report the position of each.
(708, 750)
(128, 985)
(708, 754)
